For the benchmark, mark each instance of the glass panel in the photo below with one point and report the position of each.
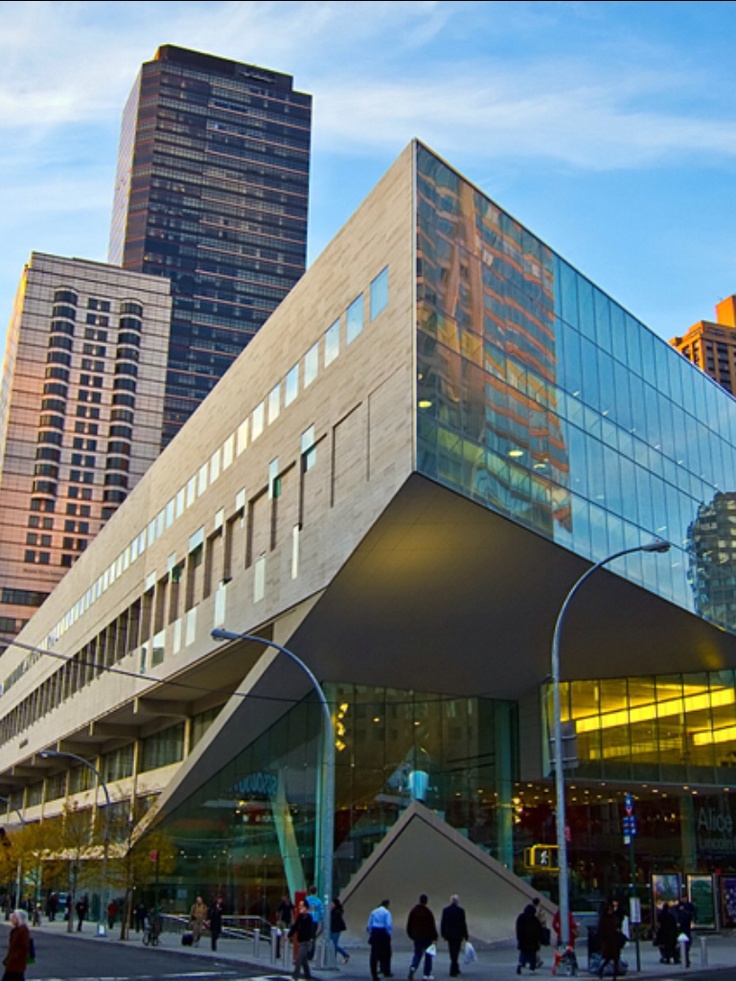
(292, 385)
(379, 293)
(332, 343)
(354, 319)
(311, 365)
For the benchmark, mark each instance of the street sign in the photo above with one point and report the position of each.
(629, 825)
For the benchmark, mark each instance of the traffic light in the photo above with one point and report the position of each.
(541, 857)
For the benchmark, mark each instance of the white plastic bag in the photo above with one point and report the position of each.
(431, 950)
(469, 954)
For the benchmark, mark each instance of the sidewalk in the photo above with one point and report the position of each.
(494, 962)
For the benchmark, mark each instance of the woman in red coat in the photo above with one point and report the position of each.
(19, 945)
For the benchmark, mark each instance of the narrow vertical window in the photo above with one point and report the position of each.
(379, 293)
(332, 343)
(311, 364)
(354, 321)
(292, 385)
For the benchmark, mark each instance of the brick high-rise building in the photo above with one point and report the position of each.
(212, 193)
(712, 346)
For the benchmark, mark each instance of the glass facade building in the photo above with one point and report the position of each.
(212, 193)
(454, 425)
(542, 399)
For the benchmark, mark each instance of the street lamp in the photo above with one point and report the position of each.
(53, 753)
(657, 545)
(325, 831)
(19, 871)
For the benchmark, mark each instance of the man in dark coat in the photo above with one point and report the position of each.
(454, 929)
(422, 931)
(302, 929)
(667, 935)
(214, 918)
(528, 938)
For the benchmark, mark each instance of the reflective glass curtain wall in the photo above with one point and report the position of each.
(543, 399)
(252, 825)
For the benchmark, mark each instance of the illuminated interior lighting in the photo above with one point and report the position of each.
(425, 403)
(516, 453)
(708, 736)
(657, 710)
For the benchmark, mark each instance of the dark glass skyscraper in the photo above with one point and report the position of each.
(212, 193)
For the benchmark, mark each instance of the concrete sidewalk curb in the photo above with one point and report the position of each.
(494, 962)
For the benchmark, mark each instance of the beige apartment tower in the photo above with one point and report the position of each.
(80, 415)
(712, 346)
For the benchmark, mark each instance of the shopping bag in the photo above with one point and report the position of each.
(469, 954)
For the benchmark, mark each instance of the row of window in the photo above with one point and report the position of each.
(66, 295)
(265, 413)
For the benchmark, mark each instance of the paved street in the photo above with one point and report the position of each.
(86, 957)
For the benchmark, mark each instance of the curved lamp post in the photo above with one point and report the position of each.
(19, 871)
(53, 753)
(325, 831)
(657, 545)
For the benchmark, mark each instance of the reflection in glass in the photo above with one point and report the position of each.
(552, 405)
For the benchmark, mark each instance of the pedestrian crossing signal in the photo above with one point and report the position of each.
(541, 857)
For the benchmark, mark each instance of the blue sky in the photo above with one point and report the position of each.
(608, 128)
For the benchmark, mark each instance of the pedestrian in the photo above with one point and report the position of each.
(197, 919)
(81, 908)
(112, 913)
(19, 947)
(685, 916)
(285, 912)
(422, 931)
(544, 932)
(338, 926)
(454, 929)
(140, 917)
(380, 927)
(528, 936)
(214, 920)
(610, 936)
(666, 938)
(52, 905)
(301, 930)
(317, 912)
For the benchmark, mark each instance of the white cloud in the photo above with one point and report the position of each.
(564, 111)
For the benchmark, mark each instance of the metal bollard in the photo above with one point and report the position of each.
(275, 944)
(256, 941)
(703, 951)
